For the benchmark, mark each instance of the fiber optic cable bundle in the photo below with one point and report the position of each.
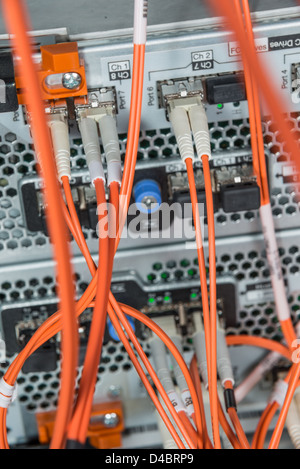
(186, 421)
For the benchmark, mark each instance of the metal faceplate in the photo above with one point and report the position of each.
(27, 270)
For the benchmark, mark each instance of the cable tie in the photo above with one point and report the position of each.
(229, 397)
(8, 394)
(282, 306)
(279, 392)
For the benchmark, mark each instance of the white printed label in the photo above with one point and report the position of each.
(282, 306)
(261, 44)
(176, 401)
(188, 402)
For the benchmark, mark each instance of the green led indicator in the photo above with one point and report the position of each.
(165, 275)
(193, 296)
(167, 299)
(191, 272)
(151, 277)
(151, 301)
(220, 106)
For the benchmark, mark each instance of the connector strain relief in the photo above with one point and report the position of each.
(110, 138)
(199, 126)
(202, 142)
(185, 147)
(90, 140)
(182, 130)
(63, 165)
(61, 147)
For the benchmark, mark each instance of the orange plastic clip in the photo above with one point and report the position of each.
(60, 73)
(105, 428)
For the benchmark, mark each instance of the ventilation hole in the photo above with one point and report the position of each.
(40, 241)
(11, 192)
(26, 243)
(4, 149)
(221, 219)
(167, 151)
(113, 368)
(22, 169)
(3, 182)
(240, 276)
(239, 143)
(224, 144)
(225, 258)
(19, 147)
(277, 212)
(28, 157)
(158, 142)
(153, 154)
(13, 159)
(239, 256)
(231, 133)
(235, 217)
(20, 284)
(249, 216)
(28, 389)
(14, 213)
(283, 200)
(127, 367)
(178, 274)
(216, 135)
(47, 280)
(291, 210)
(145, 144)
(12, 245)
(23, 398)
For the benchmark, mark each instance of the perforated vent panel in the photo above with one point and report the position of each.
(39, 391)
(17, 159)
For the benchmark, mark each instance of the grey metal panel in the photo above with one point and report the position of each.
(82, 16)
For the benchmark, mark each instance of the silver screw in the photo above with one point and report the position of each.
(114, 391)
(111, 420)
(149, 200)
(71, 80)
